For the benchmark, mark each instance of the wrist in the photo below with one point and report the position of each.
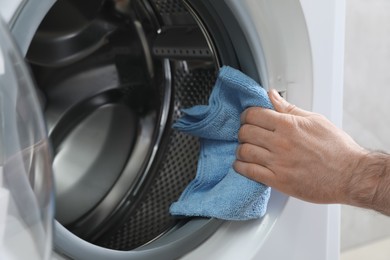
(368, 186)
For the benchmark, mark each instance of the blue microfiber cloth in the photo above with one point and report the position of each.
(217, 190)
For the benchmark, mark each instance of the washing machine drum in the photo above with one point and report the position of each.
(112, 77)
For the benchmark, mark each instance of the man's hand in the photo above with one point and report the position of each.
(303, 154)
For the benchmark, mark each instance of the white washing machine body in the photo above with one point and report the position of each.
(297, 48)
(303, 48)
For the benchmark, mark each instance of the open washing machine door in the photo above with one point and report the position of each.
(26, 190)
(112, 75)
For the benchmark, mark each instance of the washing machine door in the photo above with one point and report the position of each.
(26, 190)
(112, 80)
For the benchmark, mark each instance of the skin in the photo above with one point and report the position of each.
(304, 155)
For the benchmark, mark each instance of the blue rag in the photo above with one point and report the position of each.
(218, 190)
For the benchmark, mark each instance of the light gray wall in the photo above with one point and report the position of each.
(366, 103)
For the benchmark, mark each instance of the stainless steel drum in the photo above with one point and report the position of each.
(112, 77)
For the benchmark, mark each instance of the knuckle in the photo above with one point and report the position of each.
(252, 172)
(238, 152)
(247, 149)
(244, 116)
(250, 114)
(243, 132)
(247, 170)
(290, 108)
(242, 151)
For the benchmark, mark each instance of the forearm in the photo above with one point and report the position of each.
(370, 183)
(304, 155)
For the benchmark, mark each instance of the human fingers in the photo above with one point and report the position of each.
(257, 136)
(255, 172)
(261, 117)
(253, 154)
(281, 105)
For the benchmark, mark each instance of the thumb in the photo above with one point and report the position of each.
(282, 106)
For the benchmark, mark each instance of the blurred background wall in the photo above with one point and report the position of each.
(366, 115)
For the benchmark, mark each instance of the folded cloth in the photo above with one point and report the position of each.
(217, 190)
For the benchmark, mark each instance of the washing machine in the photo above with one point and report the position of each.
(89, 163)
